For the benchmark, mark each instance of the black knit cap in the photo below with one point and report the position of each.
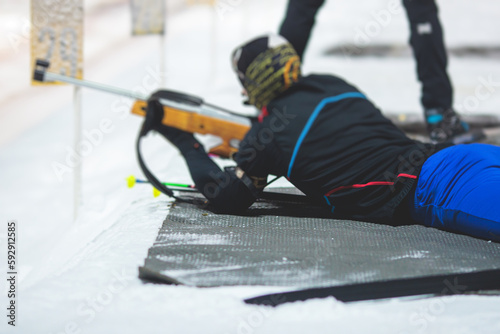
(266, 66)
(246, 54)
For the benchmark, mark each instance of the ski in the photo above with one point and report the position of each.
(440, 285)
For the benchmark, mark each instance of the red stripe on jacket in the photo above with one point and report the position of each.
(374, 183)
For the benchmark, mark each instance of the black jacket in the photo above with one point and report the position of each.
(334, 145)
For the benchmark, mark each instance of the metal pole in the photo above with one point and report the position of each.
(77, 128)
(50, 76)
(205, 108)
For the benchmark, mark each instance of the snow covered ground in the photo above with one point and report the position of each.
(81, 276)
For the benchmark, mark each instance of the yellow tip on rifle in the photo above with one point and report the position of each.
(131, 181)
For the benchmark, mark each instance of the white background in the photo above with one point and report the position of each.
(81, 277)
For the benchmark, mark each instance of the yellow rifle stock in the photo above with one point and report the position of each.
(231, 133)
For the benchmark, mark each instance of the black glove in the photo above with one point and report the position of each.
(154, 116)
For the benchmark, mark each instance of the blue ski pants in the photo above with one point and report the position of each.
(458, 190)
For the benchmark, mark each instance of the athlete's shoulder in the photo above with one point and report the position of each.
(327, 82)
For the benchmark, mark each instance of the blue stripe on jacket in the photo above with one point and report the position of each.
(313, 117)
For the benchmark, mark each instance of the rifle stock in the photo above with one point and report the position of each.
(231, 133)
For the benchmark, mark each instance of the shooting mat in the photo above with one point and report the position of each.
(294, 244)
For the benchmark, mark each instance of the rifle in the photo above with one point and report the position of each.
(185, 112)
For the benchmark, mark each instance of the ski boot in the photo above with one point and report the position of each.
(445, 126)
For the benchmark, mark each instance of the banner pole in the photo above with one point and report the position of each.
(77, 129)
(57, 38)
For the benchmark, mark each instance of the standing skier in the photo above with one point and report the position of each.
(333, 144)
(443, 123)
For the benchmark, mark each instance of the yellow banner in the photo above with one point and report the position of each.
(201, 2)
(57, 36)
(148, 17)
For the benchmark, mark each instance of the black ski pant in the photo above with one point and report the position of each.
(426, 40)
(298, 23)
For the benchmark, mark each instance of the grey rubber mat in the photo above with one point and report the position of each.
(294, 245)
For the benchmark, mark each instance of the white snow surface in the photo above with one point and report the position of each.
(81, 276)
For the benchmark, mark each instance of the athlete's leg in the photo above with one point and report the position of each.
(430, 53)
(298, 23)
(459, 190)
(443, 123)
